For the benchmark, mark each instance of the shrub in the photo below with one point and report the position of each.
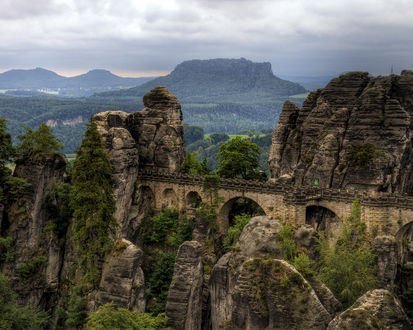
(304, 264)
(155, 229)
(158, 283)
(6, 253)
(235, 231)
(348, 268)
(287, 242)
(77, 311)
(12, 316)
(32, 266)
(109, 317)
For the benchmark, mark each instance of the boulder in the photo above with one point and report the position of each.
(184, 302)
(376, 309)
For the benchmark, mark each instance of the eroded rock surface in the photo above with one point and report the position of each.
(377, 309)
(184, 303)
(252, 288)
(355, 133)
(122, 279)
(386, 250)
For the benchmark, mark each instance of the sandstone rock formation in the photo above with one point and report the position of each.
(386, 250)
(149, 139)
(184, 303)
(251, 288)
(122, 279)
(353, 134)
(377, 309)
(32, 244)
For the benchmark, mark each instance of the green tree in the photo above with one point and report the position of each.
(93, 204)
(348, 268)
(12, 316)
(192, 165)
(110, 317)
(238, 159)
(9, 186)
(42, 140)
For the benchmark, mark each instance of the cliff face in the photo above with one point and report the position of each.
(355, 133)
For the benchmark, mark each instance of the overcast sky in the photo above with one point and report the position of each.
(148, 37)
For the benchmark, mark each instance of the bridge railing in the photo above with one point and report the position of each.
(297, 195)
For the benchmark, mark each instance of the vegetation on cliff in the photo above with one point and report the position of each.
(93, 204)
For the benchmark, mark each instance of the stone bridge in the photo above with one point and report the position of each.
(383, 213)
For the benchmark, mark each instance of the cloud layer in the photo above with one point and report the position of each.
(298, 37)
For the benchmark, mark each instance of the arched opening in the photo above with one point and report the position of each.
(237, 206)
(193, 200)
(323, 219)
(169, 198)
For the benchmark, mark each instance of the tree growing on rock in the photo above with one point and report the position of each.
(93, 204)
(238, 159)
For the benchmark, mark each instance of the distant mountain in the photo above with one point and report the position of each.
(221, 95)
(45, 79)
(225, 80)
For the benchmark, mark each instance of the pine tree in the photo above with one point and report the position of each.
(93, 204)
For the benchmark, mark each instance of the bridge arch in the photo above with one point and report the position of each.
(193, 199)
(169, 198)
(234, 206)
(322, 218)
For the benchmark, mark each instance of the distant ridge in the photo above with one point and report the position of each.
(40, 78)
(218, 79)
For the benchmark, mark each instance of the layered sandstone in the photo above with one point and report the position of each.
(355, 134)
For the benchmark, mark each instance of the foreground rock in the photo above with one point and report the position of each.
(122, 279)
(252, 288)
(355, 133)
(377, 309)
(184, 303)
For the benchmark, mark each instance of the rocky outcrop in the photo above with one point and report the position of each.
(377, 309)
(122, 279)
(158, 131)
(149, 139)
(37, 253)
(251, 288)
(352, 134)
(386, 250)
(184, 303)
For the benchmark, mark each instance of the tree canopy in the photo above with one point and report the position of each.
(93, 204)
(238, 159)
(40, 140)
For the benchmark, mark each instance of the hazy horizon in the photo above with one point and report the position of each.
(143, 38)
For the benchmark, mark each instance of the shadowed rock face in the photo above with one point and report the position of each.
(376, 309)
(355, 133)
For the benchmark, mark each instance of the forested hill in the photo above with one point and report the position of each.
(221, 95)
(41, 78)
(229, 80)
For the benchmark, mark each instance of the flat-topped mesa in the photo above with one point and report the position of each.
(356, 133)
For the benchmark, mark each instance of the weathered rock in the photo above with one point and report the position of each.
(124, 158)
(326, 297)
(28, 219)
(271, 294)
(385, 248)
(353, 134)
(184, 302)
(149, 139)
(377, 309)
(122, 279)
(158, 131)
(247, 286)
(259, 238)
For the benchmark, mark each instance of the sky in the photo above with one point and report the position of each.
(147, 37)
